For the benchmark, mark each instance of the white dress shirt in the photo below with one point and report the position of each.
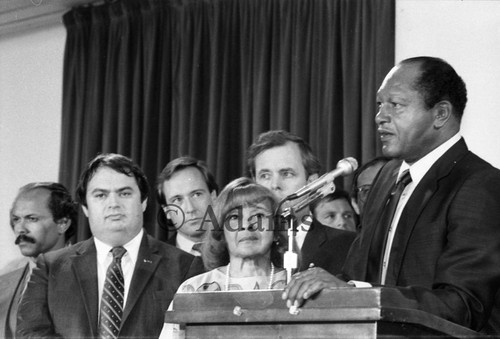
(105, 257)
(302, 230)
(184, 243)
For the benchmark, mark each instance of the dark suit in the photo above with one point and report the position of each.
(62, 295)
(326, 247)
(172, 240)
(445, 257)
(12, 285)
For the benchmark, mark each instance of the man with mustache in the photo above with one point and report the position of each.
(439, 249)
(185, 189)
(120, 282)
(43, 218)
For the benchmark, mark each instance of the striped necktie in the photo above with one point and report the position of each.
(112, 297)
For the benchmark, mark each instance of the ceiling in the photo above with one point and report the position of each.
(20, 15)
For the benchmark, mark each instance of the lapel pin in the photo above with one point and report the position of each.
(148, 261)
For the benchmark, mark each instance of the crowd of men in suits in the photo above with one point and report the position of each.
(438, 245)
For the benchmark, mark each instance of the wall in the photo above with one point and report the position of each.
(466, 33)
(30, 113)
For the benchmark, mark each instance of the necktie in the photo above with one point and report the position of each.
(379, 240)
(112, 297)
(196, 249)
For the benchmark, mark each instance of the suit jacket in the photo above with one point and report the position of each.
(12, 285)
(62, 294)
(445, 257)
(326, 247)
(172, 239)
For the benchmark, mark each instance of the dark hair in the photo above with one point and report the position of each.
(179, 164)
(61, 204)
(117, 162)
(239, 192)
(439, 81)
(276, 138)
(374, 162)
(337, 194)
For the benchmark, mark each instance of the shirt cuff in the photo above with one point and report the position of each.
(359, 284)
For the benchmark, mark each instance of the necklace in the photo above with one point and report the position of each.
(228, 278)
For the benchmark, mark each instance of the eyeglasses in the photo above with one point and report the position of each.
(362, 192)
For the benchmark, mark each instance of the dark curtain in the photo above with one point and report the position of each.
(154, 80)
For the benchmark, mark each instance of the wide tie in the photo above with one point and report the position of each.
(112, 297)
(379, 240)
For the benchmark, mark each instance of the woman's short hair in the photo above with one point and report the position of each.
(240, 192)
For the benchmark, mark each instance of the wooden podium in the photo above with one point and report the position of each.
(341, 313)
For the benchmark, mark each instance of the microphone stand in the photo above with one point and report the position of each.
(291, 257)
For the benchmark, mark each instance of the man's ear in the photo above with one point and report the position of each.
(166, 211)
(312, 177)
(443, 111)
(85, 211)
(355, 206)
(144, 204)
(63, 225)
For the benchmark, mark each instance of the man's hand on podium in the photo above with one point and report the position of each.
(305, 284)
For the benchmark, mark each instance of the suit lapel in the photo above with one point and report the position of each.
(172, 240)
(315, 238)
(415, 206)
(145, 267)
(85, 270)
(21, 276)
(370, 221)
(379, 200)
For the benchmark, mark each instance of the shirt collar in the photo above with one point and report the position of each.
(184, 243)
(420, 167)
(132, 248)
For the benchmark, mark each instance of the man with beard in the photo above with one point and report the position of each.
(43, 218)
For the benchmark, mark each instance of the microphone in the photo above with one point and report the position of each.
(344, 167)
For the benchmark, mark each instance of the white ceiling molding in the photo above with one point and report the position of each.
(21, 15)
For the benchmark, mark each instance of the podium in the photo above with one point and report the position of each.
(339, 313)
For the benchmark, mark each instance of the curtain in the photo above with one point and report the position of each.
(157, 79)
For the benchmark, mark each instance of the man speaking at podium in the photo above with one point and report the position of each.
(431, 226)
